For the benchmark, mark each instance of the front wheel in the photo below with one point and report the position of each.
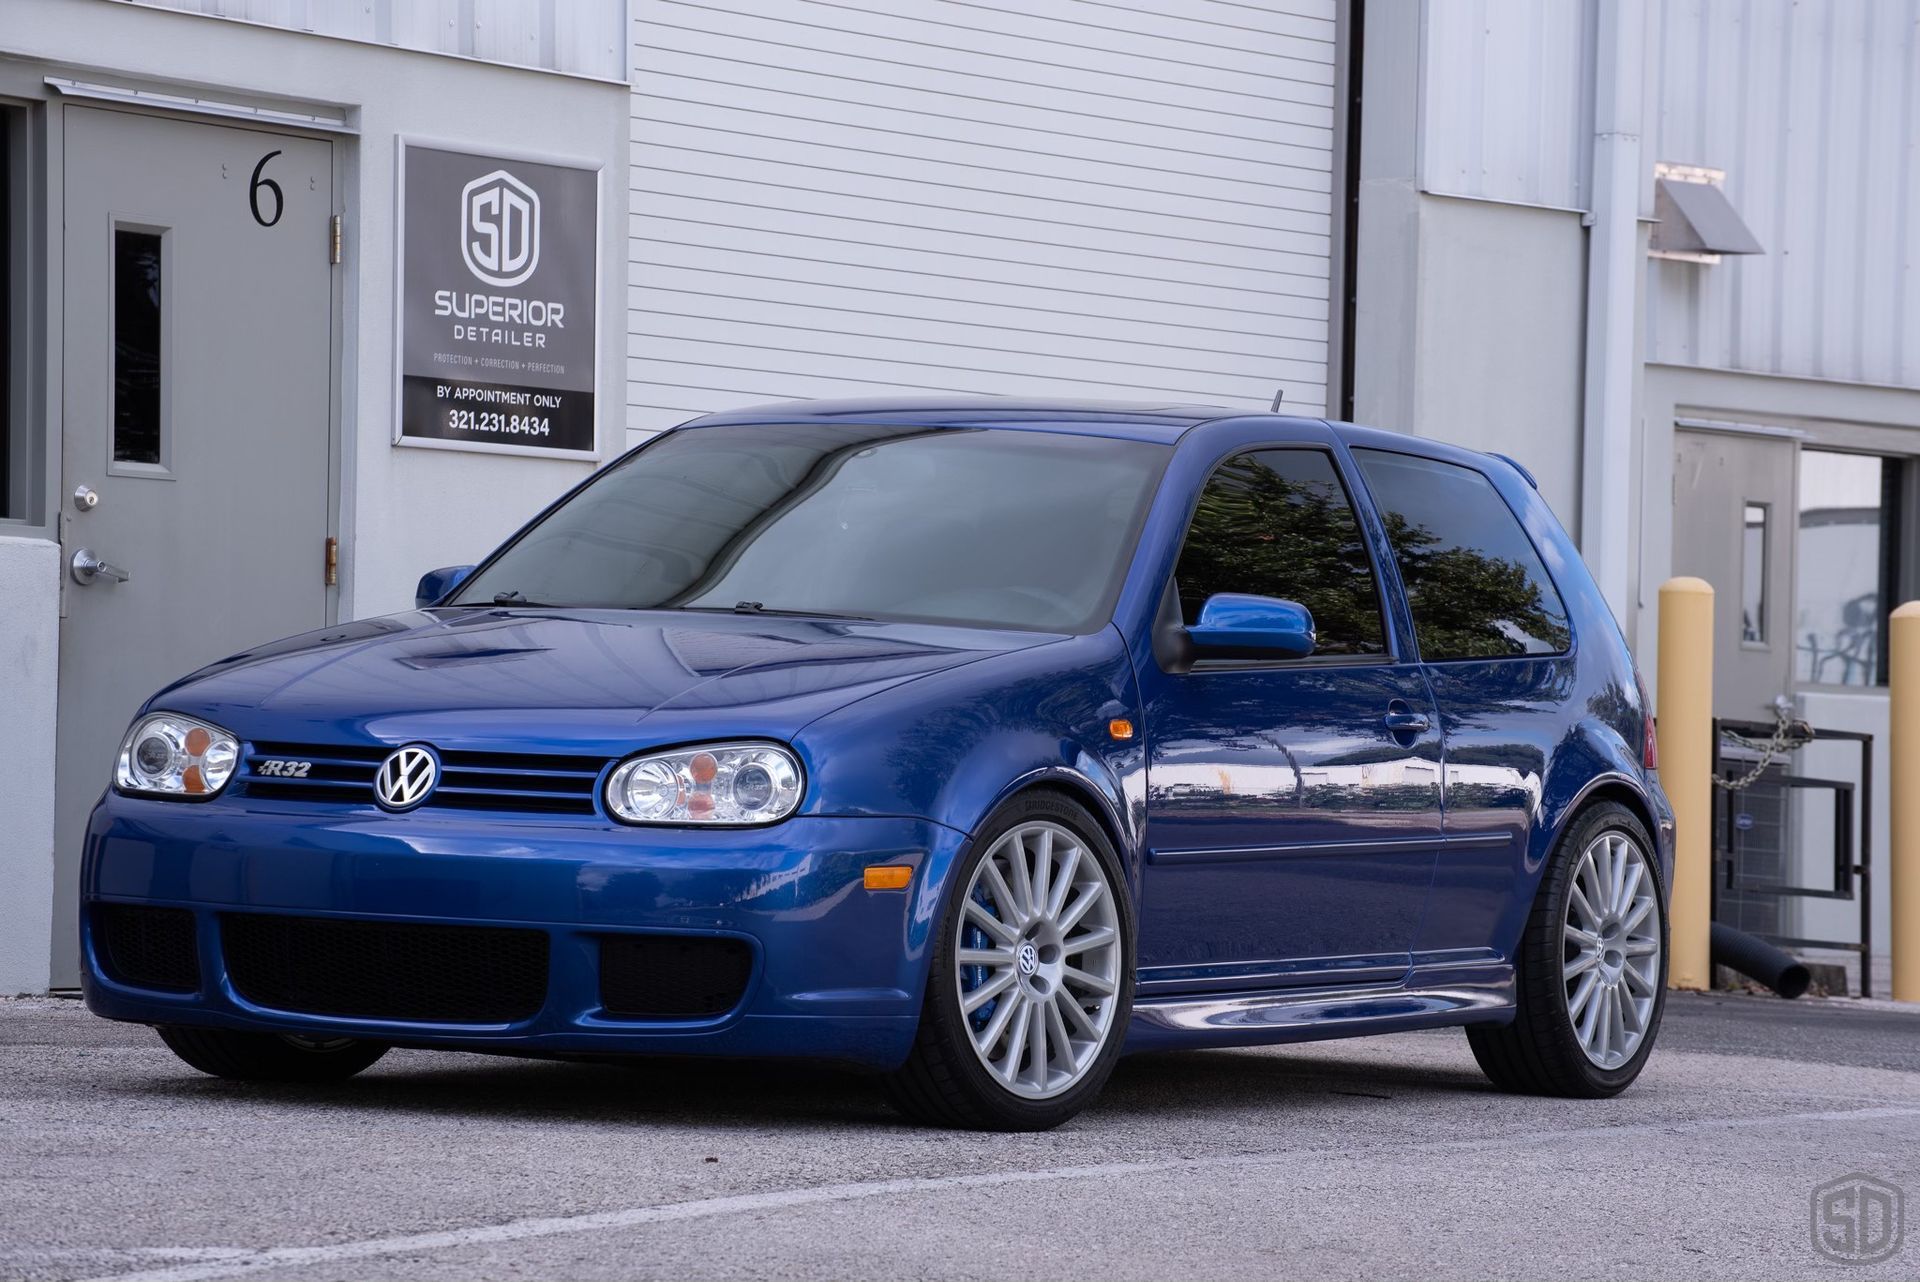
(1592, 967)
(1031, 982)
(270, 1057)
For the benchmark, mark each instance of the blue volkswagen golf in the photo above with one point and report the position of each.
(972, 743)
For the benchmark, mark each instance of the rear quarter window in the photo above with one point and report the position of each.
(1475, 584)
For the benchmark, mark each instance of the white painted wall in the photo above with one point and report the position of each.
(405, 510)
(580, 37)
(1124, 201)
(1507, 99)
(29, 656)
(1471, 313)
(1501, 326)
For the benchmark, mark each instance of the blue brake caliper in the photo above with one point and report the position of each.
(971, 977)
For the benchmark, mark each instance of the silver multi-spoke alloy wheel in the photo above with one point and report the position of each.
(1038, 960)
(1612, 955)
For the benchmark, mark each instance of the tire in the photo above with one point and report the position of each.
(1546, 1050)
(269, 1057)
(1047, 963)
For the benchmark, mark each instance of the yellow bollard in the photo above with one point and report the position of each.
(1685, 734)
(1903, 782)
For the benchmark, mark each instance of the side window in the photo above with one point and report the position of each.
(1475, 584)
(1278, 523)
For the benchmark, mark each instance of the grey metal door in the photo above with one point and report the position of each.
(1733, 525)
(196, 437)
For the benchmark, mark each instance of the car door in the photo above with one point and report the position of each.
(1293, 806)
(1497, 649)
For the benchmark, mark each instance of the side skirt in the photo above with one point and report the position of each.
(1445, 994)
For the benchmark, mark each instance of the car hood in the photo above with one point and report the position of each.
(507, 679)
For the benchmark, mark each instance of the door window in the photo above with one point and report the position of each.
(137, 401)
(1753, 573)
(1278, 523)
(1474, 582)
(1848, 515)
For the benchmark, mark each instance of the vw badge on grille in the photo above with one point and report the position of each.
(406, 778)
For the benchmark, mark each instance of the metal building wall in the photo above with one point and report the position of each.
(1128, 200)
(1506, 100)
(577, 37)
(1814, 112)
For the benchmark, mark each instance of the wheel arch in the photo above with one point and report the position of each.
(1627, 792)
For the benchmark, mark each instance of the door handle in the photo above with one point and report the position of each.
(87, 567)
(1401, 719)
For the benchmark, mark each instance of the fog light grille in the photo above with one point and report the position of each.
(147, 947)
(672, 976)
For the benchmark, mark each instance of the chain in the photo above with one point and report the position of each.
(1788, 734)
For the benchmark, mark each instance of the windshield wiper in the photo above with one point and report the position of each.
(515, 598)
(755, 607)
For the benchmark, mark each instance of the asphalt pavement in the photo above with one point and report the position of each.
(1378, 1158)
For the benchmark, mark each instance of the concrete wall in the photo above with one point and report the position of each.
(29, 657)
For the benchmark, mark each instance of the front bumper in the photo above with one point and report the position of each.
(837, 972)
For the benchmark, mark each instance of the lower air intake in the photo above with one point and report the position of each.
(386, 970)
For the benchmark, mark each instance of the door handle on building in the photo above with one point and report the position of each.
(86, 567)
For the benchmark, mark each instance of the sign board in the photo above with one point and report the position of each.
(498, 303)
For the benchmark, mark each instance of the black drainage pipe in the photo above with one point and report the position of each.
(1757, 959)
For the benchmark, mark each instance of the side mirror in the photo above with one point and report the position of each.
(1234, 625)
(435, 584)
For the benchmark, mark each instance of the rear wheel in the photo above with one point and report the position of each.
(1031, 982)
(270, 1057)
(1592, 968)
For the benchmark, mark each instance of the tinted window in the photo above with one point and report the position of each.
(994, 527)
(1473, 579)
(1278, 523)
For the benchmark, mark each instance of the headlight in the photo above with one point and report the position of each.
(169, 755)
(719, 783)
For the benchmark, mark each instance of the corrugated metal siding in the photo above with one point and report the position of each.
(1114, 198)
(1814, 112)
(1507, 100)
(578, 37)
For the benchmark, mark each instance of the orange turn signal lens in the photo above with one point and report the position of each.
(889, 877)
(1120, 728)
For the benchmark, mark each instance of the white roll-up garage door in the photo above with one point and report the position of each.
(1123, 199)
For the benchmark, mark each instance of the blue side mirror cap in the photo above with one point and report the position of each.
(1236, 625)
(435, 584)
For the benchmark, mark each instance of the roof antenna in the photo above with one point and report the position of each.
(1278, 396)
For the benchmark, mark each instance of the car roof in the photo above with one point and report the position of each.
(1159, 422)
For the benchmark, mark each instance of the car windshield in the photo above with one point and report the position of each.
(984, 527)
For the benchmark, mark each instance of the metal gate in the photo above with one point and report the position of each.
(1753, 836)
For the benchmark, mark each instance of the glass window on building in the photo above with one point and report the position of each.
(1845, 572)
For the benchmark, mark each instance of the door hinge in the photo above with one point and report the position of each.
(333, 240)
(333, 562)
